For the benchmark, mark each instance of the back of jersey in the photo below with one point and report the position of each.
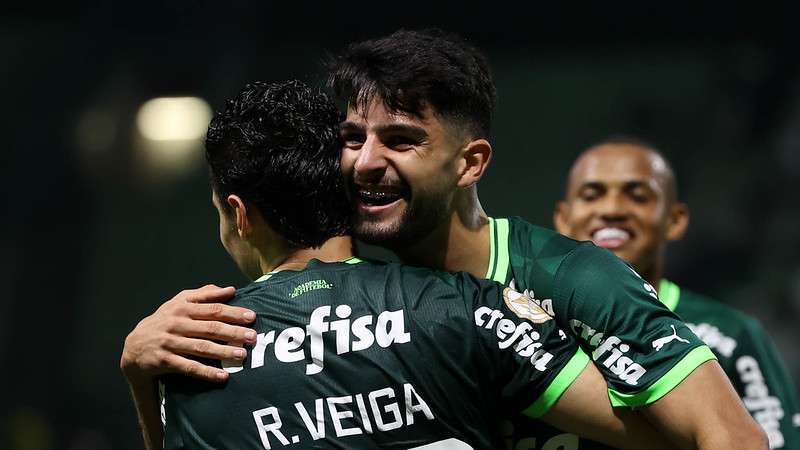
(366, 356)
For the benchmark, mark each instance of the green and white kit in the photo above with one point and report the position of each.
(748, 357)
(643, 349)
(362, 355)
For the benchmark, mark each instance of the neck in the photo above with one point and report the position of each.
(460, 243)
(655, 271)
(334, 249)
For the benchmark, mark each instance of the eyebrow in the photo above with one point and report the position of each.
(350, 126)
(592, 184)
(600, 185)
(414, 131)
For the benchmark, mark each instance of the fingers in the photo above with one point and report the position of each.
(221, 312)
(195, 369)
(215, 330)
(206, 349)
(208, 293)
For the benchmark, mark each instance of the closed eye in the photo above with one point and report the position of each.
(591, 191)
(353, 139)
(400, 142)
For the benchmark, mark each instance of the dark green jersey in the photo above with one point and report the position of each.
(748, 357)
(642, 349)
(376, 356)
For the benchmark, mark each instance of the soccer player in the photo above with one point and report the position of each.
(622, 195)
(416, 144)
(350, 354)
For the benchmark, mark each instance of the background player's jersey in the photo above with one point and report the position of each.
(376, 356)
(642, 349)
(748, 357)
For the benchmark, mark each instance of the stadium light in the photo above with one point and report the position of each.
(170, 134)
(173, 118)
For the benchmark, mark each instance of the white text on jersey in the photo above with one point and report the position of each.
(387, 413)
(350, 335)
(620, 365)
(523, 334)
(766, 409)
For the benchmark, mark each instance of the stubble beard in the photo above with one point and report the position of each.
(418, 220)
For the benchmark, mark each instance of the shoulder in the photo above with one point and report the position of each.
(587, 262)
(539, 241)
(536, 253)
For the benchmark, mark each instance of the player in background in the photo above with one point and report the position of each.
(416, 144)
(351, 354)
(622, 195)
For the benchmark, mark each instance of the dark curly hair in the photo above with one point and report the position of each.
(276, 145)
(409, 70)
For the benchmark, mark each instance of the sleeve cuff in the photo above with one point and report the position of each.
(666, 383)
(560, 383)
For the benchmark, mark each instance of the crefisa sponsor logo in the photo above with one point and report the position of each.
(765, 408)
(521, 335)
(350, 336)
(610, 352)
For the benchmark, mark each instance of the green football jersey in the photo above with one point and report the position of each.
(748, 357)
(362, 355)
(642, 349)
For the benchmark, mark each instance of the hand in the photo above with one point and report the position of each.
(186, 326)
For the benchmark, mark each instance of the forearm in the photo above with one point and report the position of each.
(584, 409)
(704, 412)
(146, 399)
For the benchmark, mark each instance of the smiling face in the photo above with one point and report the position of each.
(401, 171)
(621, 196)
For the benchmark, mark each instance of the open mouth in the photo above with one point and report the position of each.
(611, 237)
(374, 199)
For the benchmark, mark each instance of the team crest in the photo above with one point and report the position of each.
(525, 307)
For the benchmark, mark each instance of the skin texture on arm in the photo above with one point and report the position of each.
(184, 327)
(584, 409)
(705, 412)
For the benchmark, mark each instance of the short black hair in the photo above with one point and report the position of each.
(409, 70)
(276, 145)
(671, 180)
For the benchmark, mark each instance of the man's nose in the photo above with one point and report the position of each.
(371, 159)
(612, 208)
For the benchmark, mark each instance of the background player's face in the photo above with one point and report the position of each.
(617, 197)
(401, 172)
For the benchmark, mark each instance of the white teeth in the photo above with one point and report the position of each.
(611, 233)
(377, 194)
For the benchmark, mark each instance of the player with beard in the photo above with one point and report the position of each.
(416, 144)
(622, 195)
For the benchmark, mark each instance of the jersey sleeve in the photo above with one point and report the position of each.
(529, 358)
(642, 349)
(764, 384)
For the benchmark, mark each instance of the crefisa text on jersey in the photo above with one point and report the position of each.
(350, 335)
(509, 333)
(622, 366)
(765, 408)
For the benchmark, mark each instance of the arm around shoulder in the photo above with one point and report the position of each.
(704, 412)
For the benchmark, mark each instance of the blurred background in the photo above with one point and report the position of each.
(106, 206)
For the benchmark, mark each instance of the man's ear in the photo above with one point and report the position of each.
(476, 156)
(560, 217)
(237, 205)
(677, 221)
